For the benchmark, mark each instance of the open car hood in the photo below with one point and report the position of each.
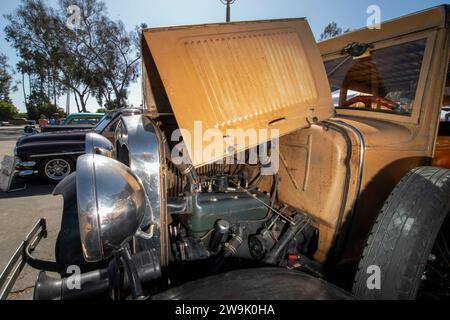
(245, 75)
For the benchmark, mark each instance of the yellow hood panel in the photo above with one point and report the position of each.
(248, 75)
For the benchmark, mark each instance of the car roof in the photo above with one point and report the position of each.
(432, 18)
(85, 114)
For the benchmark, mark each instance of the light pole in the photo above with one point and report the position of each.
(228, 3)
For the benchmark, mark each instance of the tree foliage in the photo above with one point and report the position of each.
(97, 58)
(332, 30)
(7, 110)
(6, 79)
(39, 103)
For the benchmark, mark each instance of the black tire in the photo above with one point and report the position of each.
(67, 162)
(403, 235)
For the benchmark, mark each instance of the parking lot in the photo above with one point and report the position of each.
(19, 211)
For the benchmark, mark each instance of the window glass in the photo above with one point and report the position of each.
(112, 126)
(383, 81)
(85, 121)
(104, 122)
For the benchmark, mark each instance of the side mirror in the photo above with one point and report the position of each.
(98, 144)
(111, 205)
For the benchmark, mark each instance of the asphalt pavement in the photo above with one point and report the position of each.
(9, 134)
(19, 211)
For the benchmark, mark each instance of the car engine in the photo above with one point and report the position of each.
(229, 222)
(197, 221)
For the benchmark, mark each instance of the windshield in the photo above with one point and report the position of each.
(383, 81)
(103, 123)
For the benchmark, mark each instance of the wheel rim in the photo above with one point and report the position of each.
(57, 169)
(435, 283)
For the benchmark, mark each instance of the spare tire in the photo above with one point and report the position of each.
(257, 284)
(404, 245)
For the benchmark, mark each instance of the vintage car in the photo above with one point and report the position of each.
(53, 155)
(83, 118)
(355, 194)
(76, 121)
(403, 68)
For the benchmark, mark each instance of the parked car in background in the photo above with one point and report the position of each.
(19, 122)
(83, 119)
(52, 155)
(76, 121)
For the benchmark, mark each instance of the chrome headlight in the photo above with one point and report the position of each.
(111, 205)
(98, 144)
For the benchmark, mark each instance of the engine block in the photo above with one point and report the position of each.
(234, 206)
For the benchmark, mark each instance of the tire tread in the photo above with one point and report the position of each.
(404, 233)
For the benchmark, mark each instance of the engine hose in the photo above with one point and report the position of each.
(229, 249)
(300, 223)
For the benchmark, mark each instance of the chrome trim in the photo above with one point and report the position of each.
(56, 154)
(111, 205)
(147, 159)
(98, 144)
(28, 164)
(25, 173)
(57, 169)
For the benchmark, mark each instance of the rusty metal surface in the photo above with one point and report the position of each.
(258, 75)
(394, 146)
(442, 154)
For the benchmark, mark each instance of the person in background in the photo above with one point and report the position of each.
(54, 121)
(43, 121)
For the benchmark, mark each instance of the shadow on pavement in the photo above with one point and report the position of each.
(34, 187)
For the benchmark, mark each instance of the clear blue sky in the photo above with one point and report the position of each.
(347, 14)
